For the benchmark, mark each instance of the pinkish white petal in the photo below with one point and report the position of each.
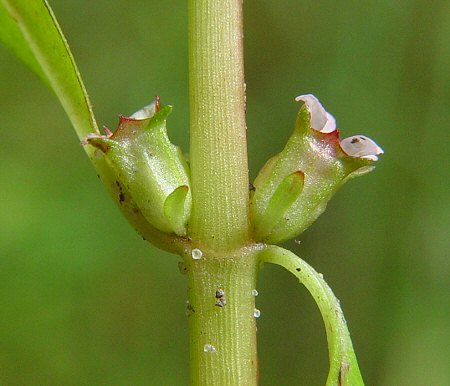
(321, 120)
(145, 112)
(330, 125)
(361, 147)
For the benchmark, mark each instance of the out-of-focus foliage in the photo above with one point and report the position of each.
(85, 301)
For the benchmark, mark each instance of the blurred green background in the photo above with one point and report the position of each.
(84, 301)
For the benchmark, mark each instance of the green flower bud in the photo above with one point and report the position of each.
(149, 168)
(293, 188)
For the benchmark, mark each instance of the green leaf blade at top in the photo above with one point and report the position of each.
(31, 30)
(11, 36)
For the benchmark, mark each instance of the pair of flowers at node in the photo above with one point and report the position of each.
(293, 188)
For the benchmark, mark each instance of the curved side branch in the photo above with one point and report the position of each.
(344, 370)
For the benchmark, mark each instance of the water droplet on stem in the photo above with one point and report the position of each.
(196, 254)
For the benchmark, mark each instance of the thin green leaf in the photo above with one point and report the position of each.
(344, 369)
(30, 29)
(12, 37)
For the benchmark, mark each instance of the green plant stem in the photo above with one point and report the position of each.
(222, 338)
(218, 150)
(344, 370)
(219, 223)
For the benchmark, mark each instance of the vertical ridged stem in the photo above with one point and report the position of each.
(222, 338)
(218, 148)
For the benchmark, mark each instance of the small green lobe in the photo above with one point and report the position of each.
(174, 209)
(286, 194)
